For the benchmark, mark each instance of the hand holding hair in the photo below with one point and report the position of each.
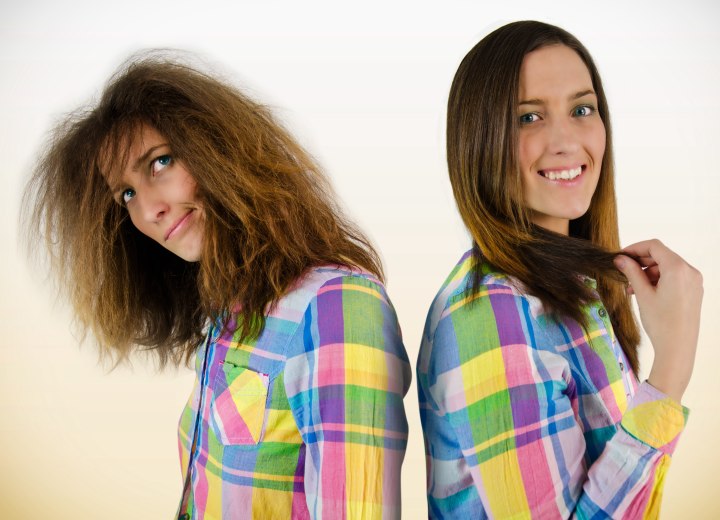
(669, 294)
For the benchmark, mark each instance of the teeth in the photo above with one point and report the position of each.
(563, 174)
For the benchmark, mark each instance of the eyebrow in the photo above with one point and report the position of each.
(572, 97)
(144, 157)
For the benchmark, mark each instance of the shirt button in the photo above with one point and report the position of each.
(184, 516)
(602, 312)
(622, 366)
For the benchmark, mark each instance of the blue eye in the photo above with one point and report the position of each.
(160, 163)
(126, 195)
(583, 111)
(528, 118)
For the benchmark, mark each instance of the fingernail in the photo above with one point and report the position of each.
(619, 262)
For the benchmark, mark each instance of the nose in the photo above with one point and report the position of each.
(151, 207)
(562, 138)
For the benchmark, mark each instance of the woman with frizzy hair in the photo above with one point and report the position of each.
(181, 218)
(529, 398)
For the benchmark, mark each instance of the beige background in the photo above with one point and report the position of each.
(364, 86)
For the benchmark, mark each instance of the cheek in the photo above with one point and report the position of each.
(523, 153)
(192, 192)
(188, 192)
(597, 143)
(139, 224)
(530, 149)
(528, 153)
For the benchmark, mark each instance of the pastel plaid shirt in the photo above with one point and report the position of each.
(528, 417)
(307, 421)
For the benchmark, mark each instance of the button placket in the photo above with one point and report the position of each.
(617, 350)
(624, 372)
(182, 514)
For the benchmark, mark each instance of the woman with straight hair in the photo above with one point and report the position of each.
(181, 218)
(529, 398)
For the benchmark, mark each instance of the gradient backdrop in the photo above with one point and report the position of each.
(363, 85)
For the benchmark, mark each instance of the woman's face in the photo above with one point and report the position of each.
(159, 194)
(561, 139)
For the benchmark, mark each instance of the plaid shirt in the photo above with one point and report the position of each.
(525, 416)
(307, 421)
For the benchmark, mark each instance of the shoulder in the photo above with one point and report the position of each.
(330, 285)
(347, 281)
(339, 282)
(347, 320)
(478, 295)
(474, 311)
(336, 304)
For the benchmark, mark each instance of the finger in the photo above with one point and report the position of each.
(645, 261)
(653, 274)
(641, 286)
(651, 252)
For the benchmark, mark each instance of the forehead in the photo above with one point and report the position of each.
(551, 69)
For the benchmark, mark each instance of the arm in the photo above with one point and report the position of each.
(502, 432)
(669, 294)
(346, 375)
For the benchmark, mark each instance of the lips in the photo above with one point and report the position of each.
(562, 173)
(179, 225)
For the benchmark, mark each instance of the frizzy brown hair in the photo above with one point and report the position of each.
(269, 212)
(482, 144)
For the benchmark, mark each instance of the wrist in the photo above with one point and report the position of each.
(670, 381)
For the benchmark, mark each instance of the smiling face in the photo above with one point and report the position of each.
(160, 196)
(561, 140)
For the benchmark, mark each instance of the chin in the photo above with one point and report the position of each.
(194, 257)
(190, 254)
(190, 248)
(573, 213)
(574, 216)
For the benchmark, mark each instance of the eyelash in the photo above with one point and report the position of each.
(532, 114)
(589, 107)
(157, 160)
(122, 201)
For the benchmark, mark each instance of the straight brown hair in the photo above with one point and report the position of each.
(270, 213)
(482, 144)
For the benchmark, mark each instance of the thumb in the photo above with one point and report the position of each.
(635, 275)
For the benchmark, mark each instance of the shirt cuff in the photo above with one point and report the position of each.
(655, 419)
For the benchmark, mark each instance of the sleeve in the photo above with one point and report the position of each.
(346, 375)
(503, 436)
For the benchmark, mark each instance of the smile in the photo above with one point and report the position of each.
(179, 225)
(564, 175)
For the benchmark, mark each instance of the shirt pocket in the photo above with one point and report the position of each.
(237, 410)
